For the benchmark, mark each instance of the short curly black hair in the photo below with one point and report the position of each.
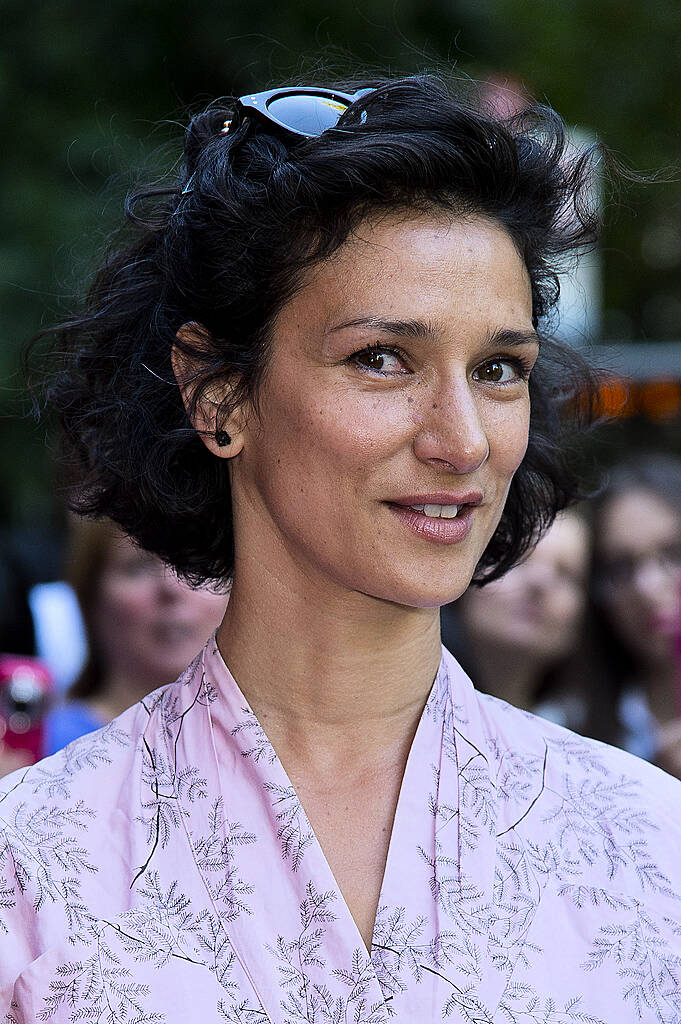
(225, 245)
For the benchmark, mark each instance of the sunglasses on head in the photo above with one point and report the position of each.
(302, 112)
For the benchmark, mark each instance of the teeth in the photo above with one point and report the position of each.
(438, 511)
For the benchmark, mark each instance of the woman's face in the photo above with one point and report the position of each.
(397, 380)
(537, 607)
(639, 551)
(149, 624)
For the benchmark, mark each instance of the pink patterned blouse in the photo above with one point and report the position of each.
(163, 870)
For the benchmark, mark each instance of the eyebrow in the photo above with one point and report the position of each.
(506, 337)
(403, 328)
(513, 339)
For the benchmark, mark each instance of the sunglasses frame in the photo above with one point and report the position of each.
(256, 105)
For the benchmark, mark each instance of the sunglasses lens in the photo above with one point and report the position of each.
(306, 114)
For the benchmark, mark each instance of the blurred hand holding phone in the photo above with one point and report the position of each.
(25, 694)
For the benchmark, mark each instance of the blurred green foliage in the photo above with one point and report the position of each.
(91, 91)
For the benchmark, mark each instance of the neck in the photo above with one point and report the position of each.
(507, 673)
(661, 683)
(120, 690)
(328, 671)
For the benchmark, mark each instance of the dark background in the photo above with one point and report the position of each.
(95, 96)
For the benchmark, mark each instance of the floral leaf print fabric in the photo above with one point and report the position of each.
(163, 869)
(294, 831)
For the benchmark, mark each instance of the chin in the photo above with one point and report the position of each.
(657, 649)
(165, 670)
(421, 590)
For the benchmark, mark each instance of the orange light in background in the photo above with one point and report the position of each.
(618, 398)
(660, 399)
(614, 399)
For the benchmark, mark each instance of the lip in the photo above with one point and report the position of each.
(665, 625)
(437, 531)
(473, 498)
(172, 631)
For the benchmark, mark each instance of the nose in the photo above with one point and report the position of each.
(538, 578)
(452, 433)
(168, 587)
(650, 579)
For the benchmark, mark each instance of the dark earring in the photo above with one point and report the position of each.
(222, 438)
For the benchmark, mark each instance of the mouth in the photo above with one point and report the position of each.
(440, 505)
(172, 632)
(439, 518)
(662, 624)
(437, 511)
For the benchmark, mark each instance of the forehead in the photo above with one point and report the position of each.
(564, 546)
(567, 540)
(637, 521)
(122, 550)
(421, 265)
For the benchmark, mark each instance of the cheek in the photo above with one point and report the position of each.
(507, 428)
(336, 436)
(123, 604)
(577, 604)
(625, 615)
(485, 612)
(203, 606)
(508, 434)
(567, 607)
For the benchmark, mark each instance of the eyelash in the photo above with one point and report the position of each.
(522, 366)
(375, 350)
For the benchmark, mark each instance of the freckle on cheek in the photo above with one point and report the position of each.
(410, 400)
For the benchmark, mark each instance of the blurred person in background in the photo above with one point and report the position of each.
(519, 636)
(636, 585)
(144, 625)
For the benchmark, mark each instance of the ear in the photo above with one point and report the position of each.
(204, 413)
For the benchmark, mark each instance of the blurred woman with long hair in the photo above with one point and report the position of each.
(143, 626)
(636, 591)
(521, 637)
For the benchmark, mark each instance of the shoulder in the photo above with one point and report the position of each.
(572, 753)
(53, 814)
(609, 814)
(585, 813)
(67, 826)
(80, 764)
(67, 722)
(98, 755)
(78, 828)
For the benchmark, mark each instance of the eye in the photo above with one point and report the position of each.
(384, 361)
(502, 371)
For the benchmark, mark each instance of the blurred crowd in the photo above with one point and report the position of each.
(585, 631)
(77, 652)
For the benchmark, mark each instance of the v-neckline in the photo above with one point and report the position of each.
(400, 822)
(272, 889)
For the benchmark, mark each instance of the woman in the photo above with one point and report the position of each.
(637, 594)
(143, 626)
(321, 820)
(521, 636)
